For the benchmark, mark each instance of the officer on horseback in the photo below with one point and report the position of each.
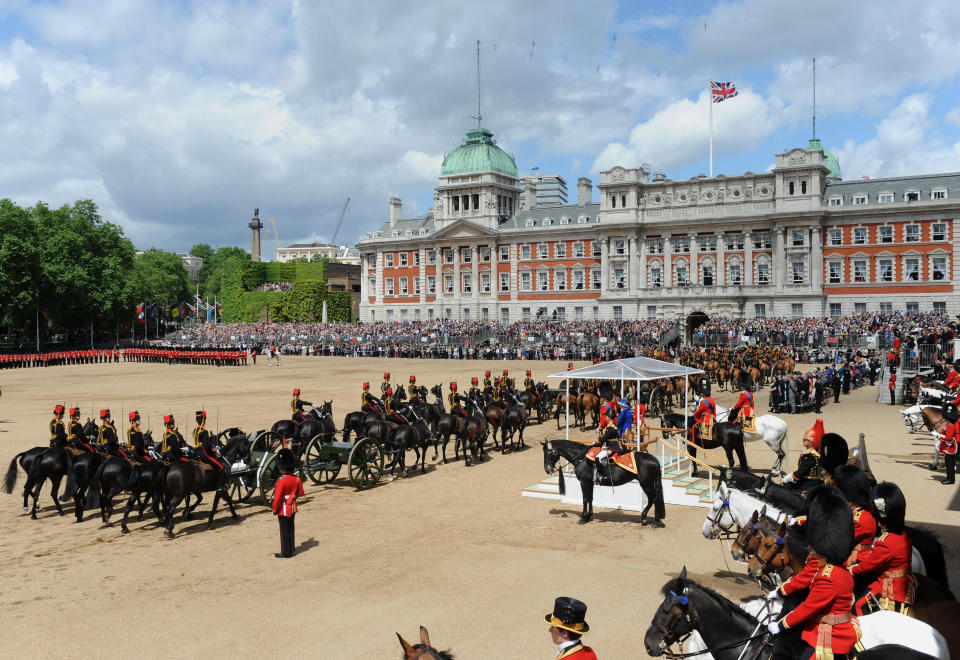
(75, 432)
(454, 400)
(204, 445)
(486, 380)
(413, 392)
(385, 385)
(809, 472)
(296, 406)
(136, 446)
(608, 436)
(743, 409)
(58, 431)
(703, 416)
(107, 435)
(172, 443)
(474, 391)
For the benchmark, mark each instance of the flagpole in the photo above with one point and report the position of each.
(146, 322)
(710, 103)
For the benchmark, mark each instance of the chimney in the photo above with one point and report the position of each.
(584, 191)
(530, 194)
(396, 210)
(659, 177)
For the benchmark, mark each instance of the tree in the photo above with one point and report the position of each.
(211, 273)
(158, 277)
(19, 266)
(323, 259)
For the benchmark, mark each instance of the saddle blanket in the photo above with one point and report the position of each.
(750, 424)
(625, 461)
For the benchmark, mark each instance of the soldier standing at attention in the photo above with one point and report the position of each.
(288, 488)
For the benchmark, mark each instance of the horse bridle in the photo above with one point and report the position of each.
(425, 650)
(715, 521)
(668, 638)
(765, 563)
(753, 529)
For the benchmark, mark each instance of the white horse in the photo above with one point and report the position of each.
(771, 429)
(913, 417)
(731, 509)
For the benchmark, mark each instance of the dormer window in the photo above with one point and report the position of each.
(547, 222)
(531, 222)
(885, 198)
(564, 221)
(911, 196)
(859, 199)
(940, 193)
(582, 220)
(835, 201)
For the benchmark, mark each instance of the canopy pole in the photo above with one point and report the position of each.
(568, 408)
(686, 399)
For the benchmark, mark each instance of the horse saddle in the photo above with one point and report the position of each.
(749, 421)
(626, 461)
(705, 430)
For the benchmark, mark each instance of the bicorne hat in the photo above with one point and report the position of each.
(568, 614)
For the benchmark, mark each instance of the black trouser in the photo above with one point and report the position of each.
(836, 393)
(893, 396)
(287, 544)
(950, 460)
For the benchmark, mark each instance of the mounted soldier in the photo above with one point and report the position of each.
(608, 436)
(505, 381)
(107, 440)
(474, 391)
(413, 392)
(296, 406)
(75, 437)
(387, 399)
(171, 447)
(889, 558)
(453, 399)
(704, 416)
(58, 431)
(370, 403)
(385, 385)
(809, 472)
(530, 386)
(744, 411)
(136, 446)
(486, 380)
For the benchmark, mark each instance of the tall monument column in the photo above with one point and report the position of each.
(255, 227)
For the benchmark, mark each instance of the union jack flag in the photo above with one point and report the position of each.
(721, 91)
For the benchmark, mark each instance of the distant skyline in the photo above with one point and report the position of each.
(179, 118)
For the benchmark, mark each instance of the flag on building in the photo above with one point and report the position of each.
(721, 91)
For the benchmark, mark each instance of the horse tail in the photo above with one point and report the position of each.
(71, 479)
(10, 479)
(659, 505)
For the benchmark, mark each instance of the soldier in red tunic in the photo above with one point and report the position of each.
(854, 484)
(948, 446)
(827, 627)
(889, 558)
(288, 488)
(567, 625)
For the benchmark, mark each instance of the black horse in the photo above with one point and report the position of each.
(784, 498)
(514, 421)
(726, 435)
(143, 480)
(353, 423)
(184, 478)
(648, 475)
(40, 464)
(317, 422)
(448, 425)
(415, 436)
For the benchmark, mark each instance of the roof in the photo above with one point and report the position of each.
(638, 368)
(924, 184)
(832, 163)
(478, 153)
(541, 214)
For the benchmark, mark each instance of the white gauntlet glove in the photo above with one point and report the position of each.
(789, 478)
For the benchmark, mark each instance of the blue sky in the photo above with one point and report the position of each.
(178, 118)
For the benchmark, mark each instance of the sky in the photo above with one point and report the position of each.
(178, 118)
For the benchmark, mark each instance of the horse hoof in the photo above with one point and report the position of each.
(169, 534)
(124, 530)
(33, 516)
(643, 521)
(582, 521)
(210, 526)
(236, 516)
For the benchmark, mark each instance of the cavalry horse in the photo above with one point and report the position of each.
(563, 400)
(725, 435)
(515, 420)
(40, 464)
(533, 400)
(423, 650)
(648, 475)
(117, 474)
(185, 477)
(588, 402)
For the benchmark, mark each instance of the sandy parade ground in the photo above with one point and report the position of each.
(456, 549)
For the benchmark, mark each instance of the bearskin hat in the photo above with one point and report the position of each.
(286, 461)
(833, 452)
(891, 506)
(829, 524)
(606, 391)
(853, 483)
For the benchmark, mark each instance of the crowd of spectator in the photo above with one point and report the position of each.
(275, 286)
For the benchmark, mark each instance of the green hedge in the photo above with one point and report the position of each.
(303, 303)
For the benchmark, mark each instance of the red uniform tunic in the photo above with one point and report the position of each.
(706, 410)
(639, 415)
(891, 557)
(289, 487)
(824, 616)
(864, 531)
(578, 652)
(605, 410)
(950, 438)
(952, 380)
(802, 580)
(746, 399)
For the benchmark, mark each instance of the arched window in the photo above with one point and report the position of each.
(803, 187)
(790, 186)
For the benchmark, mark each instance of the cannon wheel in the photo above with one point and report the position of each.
(242, 486)
(222, 438)
(267, 442)
(323, 474)
(269, 474)
(655, 406)
(365, 464)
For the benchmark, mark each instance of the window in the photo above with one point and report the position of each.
(707, 277)
(389, 314)
(913, 308)
(485, 255)
(613, 201)
(763, 274)
(803, 187)
(797, 237)
(485, 314)
(597, 249)
(388, 260)
(707, 243)
(416, 286)
(911, 233)
(681, 279)
(652, 312)
(911, 196)
(790, 187)
(416, 314)
(526, 281)
(734, 241)
(939, 268)
(578, 280)
(911, 269)
(655, 246)
(431, 284)
(834, 272)
(578, 313)
(596, 279)
(656, 277)
(885, 234)
(619, 246)
(404, 288)
(796, 309)
(560, 314)
(560, 250)
(940, 308)
(448, 283)
(560, 280)
(760, 311)
(860, 270)
(799, 272)
(504, 282)
(939, 231)
(526, 313)
(885, 268)
(763, 240)
(835, 201)
(388, 286)
(404, 256)
(404, 314)
(431, 257)
(886, 308)
(531, 222)
(466, 255)
(736, 276)
(578, 250)
(836, 309)
(525, 252)
(504, 253)
(543, 251)
(456, 203)
(416, 258)
(505, 314)
(885, 198)
(617, 312)
(835, 236)
(859, 235)
(371, 260)
(543, 280)
(475, 201)
(619, 278)
(859, 308)
(938, 194)
(859, 200)
(466, 314)
(623, 201)
(448, 256)
(485, 282)
(681, 244)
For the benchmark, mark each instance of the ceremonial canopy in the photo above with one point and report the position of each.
(638, 368)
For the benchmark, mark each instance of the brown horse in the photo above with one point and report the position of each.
(562, 401)
(756, 374)
(493, 414)
(723, 375)
(423, 650)
(751, 535)
(589, 403)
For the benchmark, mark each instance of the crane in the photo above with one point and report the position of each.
(275, 234)
(333, 241)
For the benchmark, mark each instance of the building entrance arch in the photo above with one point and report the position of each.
(694, 321)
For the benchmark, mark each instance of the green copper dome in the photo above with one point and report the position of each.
(478, 153)
(832, 163)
